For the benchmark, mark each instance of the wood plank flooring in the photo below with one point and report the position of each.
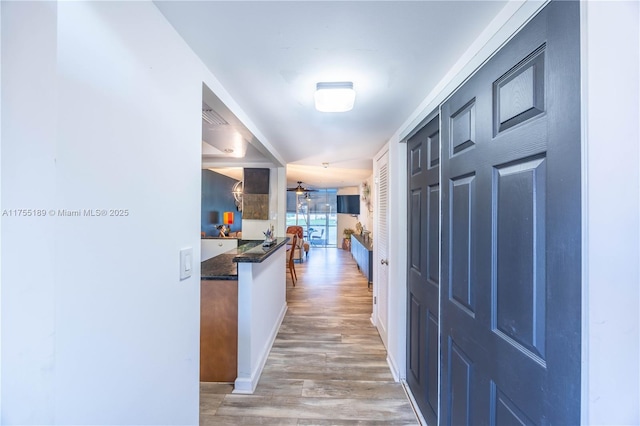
(327, 365)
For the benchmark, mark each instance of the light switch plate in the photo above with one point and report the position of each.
(186, 262)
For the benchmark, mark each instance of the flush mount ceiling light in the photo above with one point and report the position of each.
(335, 97)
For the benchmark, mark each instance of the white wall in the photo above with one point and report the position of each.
(346, 220)
(28, 171)
(366, 217)
(281, 202)
(100, 110)
(0, 219)
(611, 206)
(261, 308)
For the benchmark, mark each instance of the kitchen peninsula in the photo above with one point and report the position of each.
(242, 303)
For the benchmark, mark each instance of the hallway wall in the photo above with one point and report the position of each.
(611, 212)
(345, 220)
(28, 292)
(96, 325)
(101, 109)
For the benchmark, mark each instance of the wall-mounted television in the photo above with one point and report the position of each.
(349, 204)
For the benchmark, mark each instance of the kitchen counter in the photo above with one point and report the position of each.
(220, 267)
(253, 252)
(242, 304)
(223, 266)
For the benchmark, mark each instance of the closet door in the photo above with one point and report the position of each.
(423, 152)
(381, 251)
(511, 283)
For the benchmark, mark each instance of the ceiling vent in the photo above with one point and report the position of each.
(213, 118)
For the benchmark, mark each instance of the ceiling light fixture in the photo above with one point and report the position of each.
(335, 97)
(301, 189)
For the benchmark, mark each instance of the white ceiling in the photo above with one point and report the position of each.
(269, 55)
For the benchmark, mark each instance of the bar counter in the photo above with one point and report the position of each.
(223, 266)
(243, 302)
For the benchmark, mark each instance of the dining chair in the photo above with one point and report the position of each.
(315, 239)
(299, 247)
(292, 268)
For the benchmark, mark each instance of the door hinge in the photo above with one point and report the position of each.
(375, 300)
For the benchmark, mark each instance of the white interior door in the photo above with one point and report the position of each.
(381, 241)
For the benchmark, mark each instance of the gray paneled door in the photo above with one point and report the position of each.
(423, 156)
(511, 280)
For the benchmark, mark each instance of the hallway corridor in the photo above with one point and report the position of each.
(327, 365)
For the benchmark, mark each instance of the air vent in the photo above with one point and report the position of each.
(213, 118)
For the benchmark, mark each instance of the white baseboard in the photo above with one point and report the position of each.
(244, 386)
(247, 385)
(393, 367)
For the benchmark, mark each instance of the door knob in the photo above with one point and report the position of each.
(384, 262)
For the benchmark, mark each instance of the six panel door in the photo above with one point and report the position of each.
(423, 165)
(510, 270)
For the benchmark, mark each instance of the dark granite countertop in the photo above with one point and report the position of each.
(223, 266)
(253, 252)
(220, 267)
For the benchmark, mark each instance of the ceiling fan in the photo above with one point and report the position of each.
(301, 189)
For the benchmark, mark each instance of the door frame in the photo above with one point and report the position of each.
(610, 292)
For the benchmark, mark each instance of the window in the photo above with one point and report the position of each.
(316, 213)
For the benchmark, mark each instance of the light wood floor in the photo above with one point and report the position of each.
(327, 365)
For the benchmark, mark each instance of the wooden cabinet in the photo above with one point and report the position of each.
(218, 330)
(362, 252)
